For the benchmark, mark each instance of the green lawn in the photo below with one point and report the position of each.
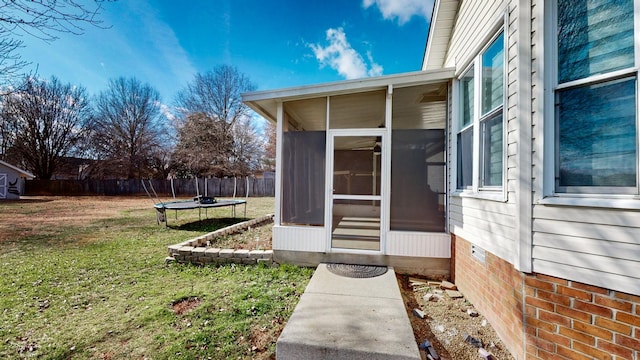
(77, 285)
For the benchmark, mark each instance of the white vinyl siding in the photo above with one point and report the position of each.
(595, 246)
(486, 218)
(593, 241)
(488, 224)
(474, 26)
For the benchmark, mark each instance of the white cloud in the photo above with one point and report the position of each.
(403, 10)
(164, 41)
(376, 69)
(167, 112)
(340, 56)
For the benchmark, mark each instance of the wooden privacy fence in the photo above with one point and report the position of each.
(226, 187)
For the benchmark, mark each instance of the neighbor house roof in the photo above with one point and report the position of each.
(442, 21)
(23, 173)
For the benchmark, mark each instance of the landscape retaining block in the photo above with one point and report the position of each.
(197, 251)
(226, 253)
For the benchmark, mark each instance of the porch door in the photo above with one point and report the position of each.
(356, 190)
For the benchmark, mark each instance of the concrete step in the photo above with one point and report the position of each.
(345, 318)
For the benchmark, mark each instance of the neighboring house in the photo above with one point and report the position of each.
(510, 163)
(72, 168)
(12, 181)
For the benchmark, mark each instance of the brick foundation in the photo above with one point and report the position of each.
(563, 319)
(495, 289)
(580, 321)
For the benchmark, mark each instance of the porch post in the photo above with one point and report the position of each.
(385, 172)
(279, 136)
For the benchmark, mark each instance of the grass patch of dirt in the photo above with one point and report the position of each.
(182, 306)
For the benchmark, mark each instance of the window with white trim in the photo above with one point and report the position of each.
(465, 135)
(481, 115)
(595, 96)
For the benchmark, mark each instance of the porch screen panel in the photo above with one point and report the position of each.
(418, 180)
(303, 173)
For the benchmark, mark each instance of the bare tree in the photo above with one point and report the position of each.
(248, 148)
(217, 94)
(43, 19)
(11, 63)
(269, 161)
(210, 108)
(202, 148)
(43, 123)
(129, 129)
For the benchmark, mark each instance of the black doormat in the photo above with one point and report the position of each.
(357, 271)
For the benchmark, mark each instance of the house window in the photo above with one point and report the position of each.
(482, 116)
(491, 153)
(465, 136)
(595, 96)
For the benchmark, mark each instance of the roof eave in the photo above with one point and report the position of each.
(23, 173)
(440, 28)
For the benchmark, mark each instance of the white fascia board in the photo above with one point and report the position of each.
(440, 28)
(432, 25)
(26, 174)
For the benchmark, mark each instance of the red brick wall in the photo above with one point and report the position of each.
(495, 289)
(580, 321)
(563, 319)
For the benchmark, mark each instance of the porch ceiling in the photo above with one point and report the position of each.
(420, 87)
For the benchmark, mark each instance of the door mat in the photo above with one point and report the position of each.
(357, 271)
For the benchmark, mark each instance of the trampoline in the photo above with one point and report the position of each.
(199, 202)
(162, 207)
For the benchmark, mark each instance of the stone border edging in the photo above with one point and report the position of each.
(196, 250)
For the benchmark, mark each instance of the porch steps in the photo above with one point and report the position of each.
(357, 244)
(351, 232)
(356, 233)
(346, 318)
(358, 225)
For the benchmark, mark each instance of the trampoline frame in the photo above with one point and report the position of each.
(162, 207)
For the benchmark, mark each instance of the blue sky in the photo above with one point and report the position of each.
(275, 43)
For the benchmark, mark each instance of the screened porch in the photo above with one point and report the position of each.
(362, 169)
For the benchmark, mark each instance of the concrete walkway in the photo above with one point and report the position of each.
(345, 318)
